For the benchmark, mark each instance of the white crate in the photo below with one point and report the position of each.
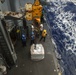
(38, 52)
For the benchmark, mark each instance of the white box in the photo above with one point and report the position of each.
(38, 52)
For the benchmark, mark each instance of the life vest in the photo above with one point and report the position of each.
(44, 33)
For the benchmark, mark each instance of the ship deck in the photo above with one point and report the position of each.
(26, 66)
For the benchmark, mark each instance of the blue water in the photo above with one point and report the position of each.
(61, 17)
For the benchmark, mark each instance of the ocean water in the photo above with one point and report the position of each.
(61, 17)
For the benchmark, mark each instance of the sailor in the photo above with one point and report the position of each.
(23, 38)
(41, 28)
(44, 34)
(32, 38)
(32, 27)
